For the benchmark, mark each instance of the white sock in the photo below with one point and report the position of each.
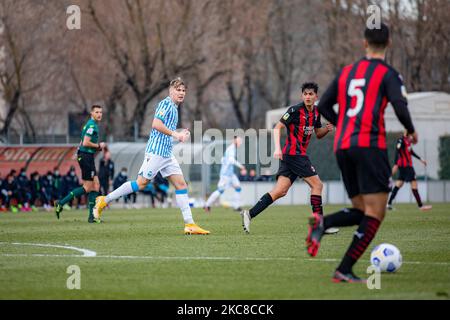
(212, 198)
(237, 200)
(121, 191)
(183, 202)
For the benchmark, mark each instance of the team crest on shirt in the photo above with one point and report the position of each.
(308, 130)
(161, 113)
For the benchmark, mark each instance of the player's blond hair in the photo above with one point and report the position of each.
(177, 82)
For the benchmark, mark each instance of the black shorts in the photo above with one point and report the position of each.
(296, 166)
(406, 174)
(364, 170)
(87, 165)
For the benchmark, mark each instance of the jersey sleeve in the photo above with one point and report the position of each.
(415, 155)
(397, 96)
(328, 100)
(318, 123)
(288, 116)
(162, 111)
(90, 131)
(395, 89)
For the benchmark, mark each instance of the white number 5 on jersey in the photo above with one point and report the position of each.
(355, 90)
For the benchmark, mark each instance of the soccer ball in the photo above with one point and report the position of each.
(387, 257)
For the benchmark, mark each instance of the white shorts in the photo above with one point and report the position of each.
(229, 181)
(153, 164)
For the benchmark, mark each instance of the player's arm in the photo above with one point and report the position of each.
(161, 113)
(398, 147)
(89, 144)
(278, 154)
(394, 169)
(157, 124)
(396, 94)
(322, 132)
(328, 100)
(238, 164)
(415, 155)
(232, 160)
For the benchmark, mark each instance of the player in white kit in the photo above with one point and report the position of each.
(227, 176)
(159, 158)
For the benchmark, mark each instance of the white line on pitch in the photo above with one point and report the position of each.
(203, 258)
(85, 252)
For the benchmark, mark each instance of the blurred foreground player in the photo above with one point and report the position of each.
(362, 90)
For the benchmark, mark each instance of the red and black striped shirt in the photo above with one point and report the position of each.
(300, 124)
(362, 90)
(404, 152)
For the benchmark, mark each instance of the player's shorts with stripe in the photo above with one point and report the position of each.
(296, 166)
(406, 174)
(153, 164)
(228, 181)
(87, 165)
(364, 170)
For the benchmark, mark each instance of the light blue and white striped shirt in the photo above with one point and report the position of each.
(159, 143)
(229, 161)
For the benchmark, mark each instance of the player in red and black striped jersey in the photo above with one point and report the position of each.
(300, 120)
(362, 91)
(404, 164)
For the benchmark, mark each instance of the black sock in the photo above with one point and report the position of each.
(393, 194)
(417, 196)
(316, 204)
(361, 240)
(261, 205)
(344, 218)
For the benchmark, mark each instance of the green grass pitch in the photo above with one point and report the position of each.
(143, 254)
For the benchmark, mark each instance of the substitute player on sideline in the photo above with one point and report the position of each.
(404, 164)
(362, 91)
(227, 176)
(300, 120)
(159, 158)
(89, 145)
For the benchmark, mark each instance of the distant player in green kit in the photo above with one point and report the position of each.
(89, 145)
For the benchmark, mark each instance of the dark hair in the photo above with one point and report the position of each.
(310, 85)
(96, 106)
(378, 38)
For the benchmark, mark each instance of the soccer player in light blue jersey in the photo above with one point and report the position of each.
(159, 158)
(227, 176)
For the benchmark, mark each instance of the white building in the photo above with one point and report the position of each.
(430, 112)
